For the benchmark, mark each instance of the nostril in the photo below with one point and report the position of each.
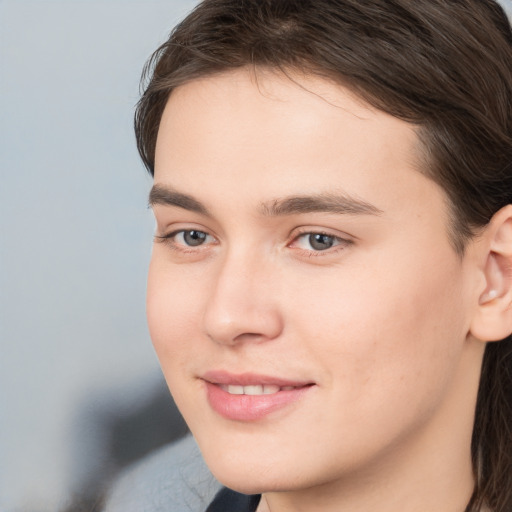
(245, 337)
(249, 336)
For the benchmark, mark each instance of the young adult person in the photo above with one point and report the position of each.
(330, 290)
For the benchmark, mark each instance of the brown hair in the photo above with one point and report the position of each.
(445, 66)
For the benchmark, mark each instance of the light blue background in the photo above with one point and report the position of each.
(75, 232)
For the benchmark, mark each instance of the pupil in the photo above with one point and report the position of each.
(321, 242)
(194, 238)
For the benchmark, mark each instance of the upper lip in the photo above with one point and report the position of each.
(248, 379)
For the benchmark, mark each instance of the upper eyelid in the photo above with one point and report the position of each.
(344, 241)
(307, 230)
(309, 233)
(170, 236)
(293, 237)
(175, 232)
(169, 231)
(323, 233)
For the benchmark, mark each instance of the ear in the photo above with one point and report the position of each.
(493, 318)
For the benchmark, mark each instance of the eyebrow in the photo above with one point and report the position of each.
(322, 203)
(293, 205)
(168, 197)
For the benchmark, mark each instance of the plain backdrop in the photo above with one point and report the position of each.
(75, 235)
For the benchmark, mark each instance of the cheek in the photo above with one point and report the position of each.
(388, 336)
(172, 302)
(173, 306)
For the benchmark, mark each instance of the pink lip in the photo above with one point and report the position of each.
(250, 407)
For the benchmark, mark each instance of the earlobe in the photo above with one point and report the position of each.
(493, 319)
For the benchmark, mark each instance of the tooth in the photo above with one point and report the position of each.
(236, 390)
(270, 389)
(253, 390)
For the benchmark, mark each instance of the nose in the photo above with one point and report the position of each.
(243, 304)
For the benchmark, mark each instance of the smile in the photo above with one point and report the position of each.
(255, 390)
(250, 397)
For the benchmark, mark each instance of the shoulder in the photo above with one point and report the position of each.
(174, 478)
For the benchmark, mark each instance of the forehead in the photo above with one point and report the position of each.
(264, 135)
(274, 100)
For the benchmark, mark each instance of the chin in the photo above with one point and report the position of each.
(241, 472)
(250, 473)
(250, 482)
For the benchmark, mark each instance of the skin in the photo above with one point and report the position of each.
(380, 322)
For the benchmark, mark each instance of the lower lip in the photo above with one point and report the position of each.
(250, 407)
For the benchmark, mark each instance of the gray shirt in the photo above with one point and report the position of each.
(172, 479)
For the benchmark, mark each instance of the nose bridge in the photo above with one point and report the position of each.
(241, 305)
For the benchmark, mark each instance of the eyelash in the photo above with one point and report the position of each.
(339, 243)
(169, 240)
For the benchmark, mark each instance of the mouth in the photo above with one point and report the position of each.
(250, 397)
(255, 389)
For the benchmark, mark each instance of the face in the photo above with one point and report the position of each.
(302, 284)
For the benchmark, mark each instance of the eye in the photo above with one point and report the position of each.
(192, 238)
(318, 242)
(185, 238)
